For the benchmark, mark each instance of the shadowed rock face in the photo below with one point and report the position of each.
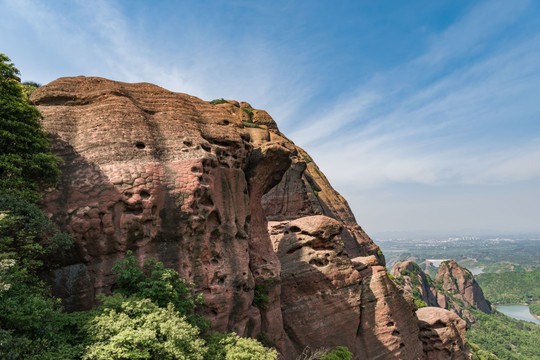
(172, 177)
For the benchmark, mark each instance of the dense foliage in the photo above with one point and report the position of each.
(505, 337)
(511, 287)
(535, 308)
(134, 328)
(341, 353)
(26, 162)
(27, 235)
(479, 353)
(163, 286)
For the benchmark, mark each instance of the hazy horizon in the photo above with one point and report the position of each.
(423, 115)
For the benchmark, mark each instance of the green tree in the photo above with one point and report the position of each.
(26, 162)
(159, 284)
(134, 328)
(233, 347)
(27, 235)
(341, 353)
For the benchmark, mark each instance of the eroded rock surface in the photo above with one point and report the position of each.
(443, 334)
(329, 298)
(172, 177)
(162, 174)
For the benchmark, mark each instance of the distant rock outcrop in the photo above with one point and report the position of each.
(220, 195)
(459, 281)
(454, 287)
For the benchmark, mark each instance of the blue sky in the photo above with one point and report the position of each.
(425, 115)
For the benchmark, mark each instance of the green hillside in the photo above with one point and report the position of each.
(511, 287)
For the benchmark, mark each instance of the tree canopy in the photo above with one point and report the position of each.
(26, 162)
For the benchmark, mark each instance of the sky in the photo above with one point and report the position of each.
(424, 115)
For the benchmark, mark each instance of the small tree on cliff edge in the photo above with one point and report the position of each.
(26, 162)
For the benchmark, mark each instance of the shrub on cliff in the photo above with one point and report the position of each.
(26, 162)
(218, 101)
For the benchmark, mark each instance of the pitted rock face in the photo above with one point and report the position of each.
(162, 174)
(172, 177)
(326, 298)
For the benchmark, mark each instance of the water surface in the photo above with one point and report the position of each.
(476, 270)
(520, 312)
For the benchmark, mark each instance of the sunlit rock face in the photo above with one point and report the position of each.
(164, 175)
(458, 290)
(443, 334)
(217, 193)
(459, 281)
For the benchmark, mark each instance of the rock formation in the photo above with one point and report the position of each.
(172, 177)
(454, 287)
(460, 282)
(442, 333)
(418, 283)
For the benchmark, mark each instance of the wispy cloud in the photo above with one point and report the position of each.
(97, 38)
(441, 128)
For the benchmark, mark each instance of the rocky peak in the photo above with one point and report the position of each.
(443, 334)
(454, 288)
(417, 283)
(460, 282)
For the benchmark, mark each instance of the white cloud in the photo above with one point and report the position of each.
(449, 129)
(96, 38)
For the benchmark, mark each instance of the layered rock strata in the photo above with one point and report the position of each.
(169, 176)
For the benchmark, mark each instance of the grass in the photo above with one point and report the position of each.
(218, 101)
(251, 125)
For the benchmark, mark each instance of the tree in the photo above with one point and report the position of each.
(161, 285)
(230, 346)
(26, 162)
(134, 328)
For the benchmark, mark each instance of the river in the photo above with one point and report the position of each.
(520, 312)
(476, 270)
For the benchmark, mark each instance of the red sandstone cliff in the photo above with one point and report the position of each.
(173, 177)
(460, 282)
